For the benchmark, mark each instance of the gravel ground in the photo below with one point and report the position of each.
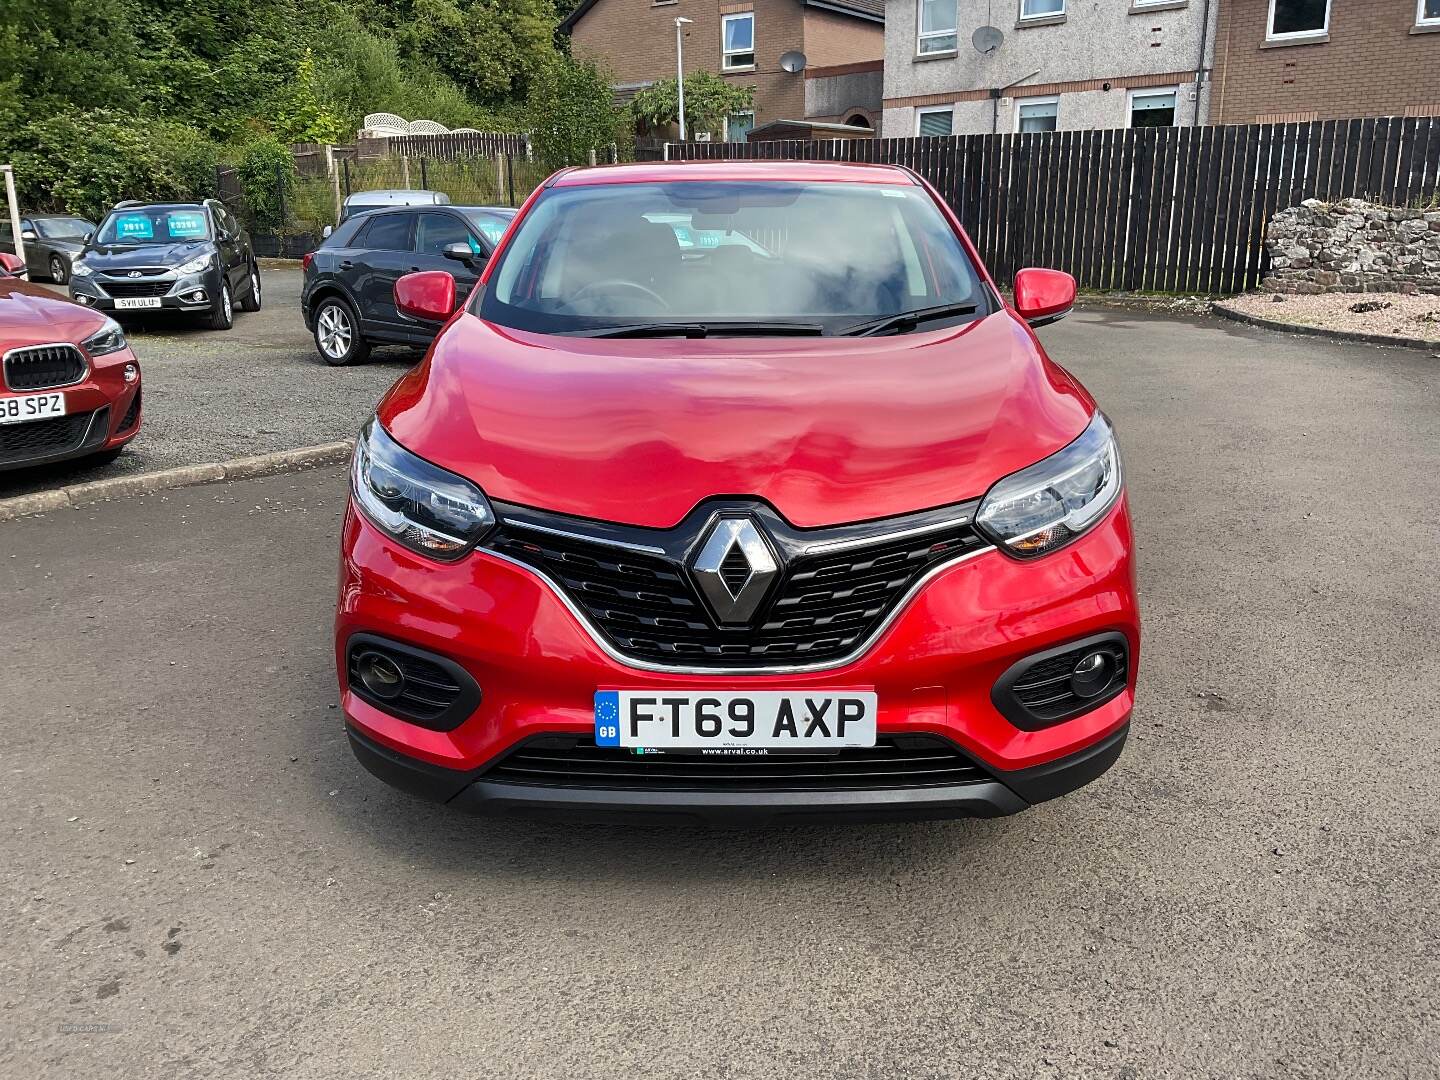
(1405, 316)
(214, 395)
(200, 881)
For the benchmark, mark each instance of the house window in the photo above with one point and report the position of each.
(737, 40)
(738, 126)
(1037, 114)
(1041, 9)
(936, 121)
(937, 26)
(1427, 13)
(1152, 108)
(1298, 18)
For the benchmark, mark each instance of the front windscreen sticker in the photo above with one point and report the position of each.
(185, 226)
(134, 227)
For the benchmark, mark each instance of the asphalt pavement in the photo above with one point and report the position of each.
(199, 881)
(213, 395)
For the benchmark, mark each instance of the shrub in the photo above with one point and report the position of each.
(265, 170)
(571, 111)
(709, 100)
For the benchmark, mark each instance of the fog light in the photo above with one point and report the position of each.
(380, 675)
(131, 373)
(86, 300)
(1092, 674)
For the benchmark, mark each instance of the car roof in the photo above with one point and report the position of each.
(503, 211)
(395, 195)
(656, 172)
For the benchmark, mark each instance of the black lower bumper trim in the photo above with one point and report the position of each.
(470, 791)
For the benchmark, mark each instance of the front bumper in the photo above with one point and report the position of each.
(102, 413)
(932, 670)
(188, 293)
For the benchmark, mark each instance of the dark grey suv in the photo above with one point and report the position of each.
(179, 257)
(348, 298)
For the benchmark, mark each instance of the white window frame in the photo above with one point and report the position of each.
(922, 35)
(1296, 35)
(1420, 19)
(1044, 14)
(926, 110)
(1052, 100)
(1151, 91)
(725, 21)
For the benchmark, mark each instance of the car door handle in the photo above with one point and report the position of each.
(346, 264)
(414, 269)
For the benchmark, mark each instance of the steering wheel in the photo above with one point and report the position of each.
(618, 283)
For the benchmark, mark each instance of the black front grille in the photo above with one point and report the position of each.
(41, 438)
(129, 289)
(41, 367)
(824, 607)
(899, 761)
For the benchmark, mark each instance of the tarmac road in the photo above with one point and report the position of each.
(199, 881)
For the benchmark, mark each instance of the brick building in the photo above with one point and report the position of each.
(1295, 60)
(843, 42)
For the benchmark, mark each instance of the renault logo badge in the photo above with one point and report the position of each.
(734, 569)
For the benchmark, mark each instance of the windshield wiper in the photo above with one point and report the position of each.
(700, 330)
(906, 321)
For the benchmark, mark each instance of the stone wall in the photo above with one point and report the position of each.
(1353, 246)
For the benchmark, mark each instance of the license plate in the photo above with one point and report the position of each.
(17, 410)
(763, 719)
(128, 302)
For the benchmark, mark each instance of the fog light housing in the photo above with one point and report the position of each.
(132, 372)
(196, 296)
(412, 684)
(1060, 684)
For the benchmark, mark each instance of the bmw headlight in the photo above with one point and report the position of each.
(79, 269)
(195, 265)
(109, 338)
(429, 510)
(1045, 506)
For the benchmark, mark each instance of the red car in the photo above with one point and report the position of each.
(737, 490)
(71, 384)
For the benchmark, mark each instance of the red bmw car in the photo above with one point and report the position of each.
(737, 490)
(71, 386)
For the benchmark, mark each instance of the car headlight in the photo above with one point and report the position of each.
(79, 269)
(109, 338)
(195, 265)
(1045, 506)
(429, 510)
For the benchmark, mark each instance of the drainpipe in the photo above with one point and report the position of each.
(1200, 66)
(997, 92)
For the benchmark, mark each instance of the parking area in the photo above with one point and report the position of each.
(213, 395)
(203, 882)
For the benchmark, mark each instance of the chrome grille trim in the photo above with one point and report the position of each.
(67, 346)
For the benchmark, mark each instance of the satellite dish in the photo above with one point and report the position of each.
(987, 39)
(792, 61)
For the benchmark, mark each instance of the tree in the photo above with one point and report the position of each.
(571, 111)
(709, 100)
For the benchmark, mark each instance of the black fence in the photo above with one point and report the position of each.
(1179, 210)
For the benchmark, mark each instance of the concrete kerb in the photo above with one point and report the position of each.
(75, 496)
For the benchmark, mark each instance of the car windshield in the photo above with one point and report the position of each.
(155, 225)
(58, 228)
(492, 226)
(822, 256)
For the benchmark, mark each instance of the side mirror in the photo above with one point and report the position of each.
(27, 234)
(464, 254)
(1043, 296)
(89, 236)
(11, 265)
(428, 295)
(327, 231)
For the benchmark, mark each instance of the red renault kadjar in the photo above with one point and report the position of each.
(736, 490)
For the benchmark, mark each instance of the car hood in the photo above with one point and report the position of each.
(112, 257)
(33, 315)
(71, 244)
(827, 430)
